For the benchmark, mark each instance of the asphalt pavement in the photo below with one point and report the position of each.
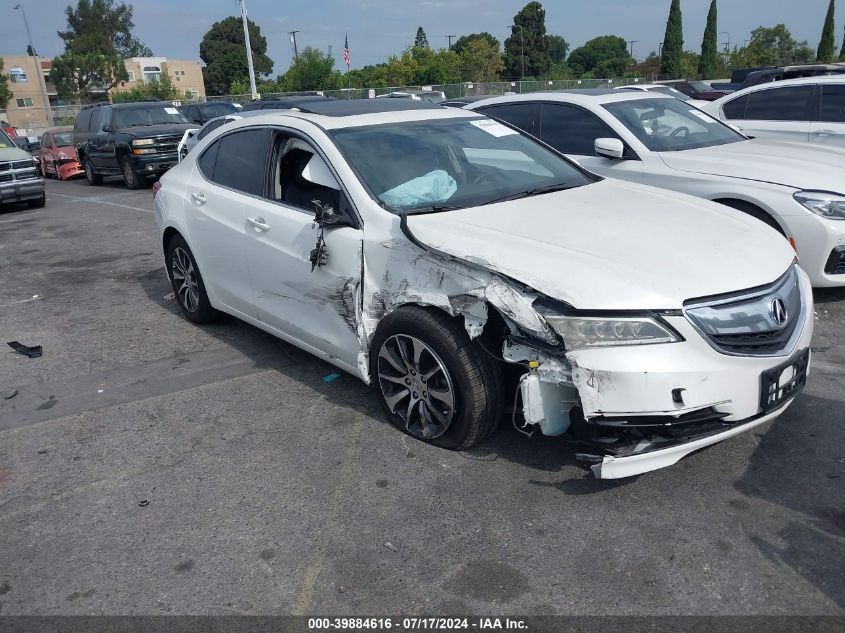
(151, 466)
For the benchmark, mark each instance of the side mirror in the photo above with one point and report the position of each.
(326, 215)
(609, 147)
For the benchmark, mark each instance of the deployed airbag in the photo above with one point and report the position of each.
(435, 186)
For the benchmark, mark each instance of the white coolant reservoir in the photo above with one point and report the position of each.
(547, 403)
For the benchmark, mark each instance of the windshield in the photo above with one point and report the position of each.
(699, 86)
(147, 115)
(63, 139)
(212, 110)
(5, 141)
(669, 125)
(451, 163)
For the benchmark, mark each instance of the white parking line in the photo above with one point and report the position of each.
(99, 201)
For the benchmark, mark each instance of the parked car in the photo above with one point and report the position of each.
(195, 135)
(432, 96)
(201, 113)
(19, 179)
(695, 90)
(58, 154)
(655, 140)
(666, 90)
(425, 250)
(810, 110)
(460, 102)
(135, 140)
(284, 103)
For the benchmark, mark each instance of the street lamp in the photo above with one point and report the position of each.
(38, 71)
(252, 89)
(521, 45)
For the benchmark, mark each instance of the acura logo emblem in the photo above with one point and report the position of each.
(777, 308)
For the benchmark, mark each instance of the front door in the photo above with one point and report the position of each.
(829, 128)
(316, 303)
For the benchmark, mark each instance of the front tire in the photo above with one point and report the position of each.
(132, 180)
(37, 203)
(433, 381)
(93, 178)
(187, 282)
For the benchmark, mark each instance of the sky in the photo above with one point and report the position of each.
(379, 28)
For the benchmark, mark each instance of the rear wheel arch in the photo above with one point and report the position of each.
(749, 208)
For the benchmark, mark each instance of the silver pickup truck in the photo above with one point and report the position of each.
(19, 179)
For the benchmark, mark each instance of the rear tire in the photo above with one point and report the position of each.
(37, 203)
(132, 180)
(187, 282)
(93, 178)
(434, 383)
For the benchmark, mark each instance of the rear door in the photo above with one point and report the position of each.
(829, 128)
(780, 113)
(227, 176)
(318, 304)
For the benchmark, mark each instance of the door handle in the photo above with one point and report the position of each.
(198, 198)
(258, 224)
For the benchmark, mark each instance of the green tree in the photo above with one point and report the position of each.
(604, 57)
(709, 63)
(842, 52)
(773, 46)
(827, 46)
(97, 39)
(673, 43)
(240, 87)
(480, 61)
(223, 50)
(528, 38)
(5, 92)
(558, 48)
(313, 70)
(420, 40)
(435, 67)
(162, 88)
(464, 41)
(399, 71)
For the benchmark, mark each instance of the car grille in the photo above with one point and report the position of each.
(761, 322)
(22, 164)
(167, 143)
(836, 262)
(18, 170)
(6, 177)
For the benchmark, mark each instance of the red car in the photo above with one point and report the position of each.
(58, 154)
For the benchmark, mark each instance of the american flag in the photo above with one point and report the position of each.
(346, 51)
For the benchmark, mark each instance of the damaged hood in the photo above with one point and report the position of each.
(612, 245)
(795, 165)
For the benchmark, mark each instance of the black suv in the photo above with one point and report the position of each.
(202, 113)
(134, 140)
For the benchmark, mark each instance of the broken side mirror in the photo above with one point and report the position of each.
(325, 214)
(610, 148)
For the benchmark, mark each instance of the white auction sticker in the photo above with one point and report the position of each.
(171, 111)
(493, 127)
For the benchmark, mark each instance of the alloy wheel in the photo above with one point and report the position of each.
(416, 386)
(185, 279)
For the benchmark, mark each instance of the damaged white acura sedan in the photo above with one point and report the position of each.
(460, 267)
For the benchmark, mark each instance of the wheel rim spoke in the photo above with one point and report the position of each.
(442, 394)
(185, 277)
(393, 400)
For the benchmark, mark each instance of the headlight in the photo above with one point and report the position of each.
(580, 332)
(138, 142)
(62, 156)
(827, 205)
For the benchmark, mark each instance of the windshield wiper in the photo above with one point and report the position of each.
(532, 192)
(437, 208)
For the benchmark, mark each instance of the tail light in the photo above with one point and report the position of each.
(156, 188)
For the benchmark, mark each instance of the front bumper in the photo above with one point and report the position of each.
(21, 190)
(70, 169)
(816, 239)
(154, 164)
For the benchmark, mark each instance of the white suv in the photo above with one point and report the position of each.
(424, 249)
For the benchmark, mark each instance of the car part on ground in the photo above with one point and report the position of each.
(451, 299)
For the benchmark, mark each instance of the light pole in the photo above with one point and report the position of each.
(631, 44)
(449, 37)
(727, 44)
(252, 88)
(521, 46)
(41, 84)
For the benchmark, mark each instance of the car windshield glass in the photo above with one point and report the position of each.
(5, 141)
(211, 110)
(699, 86)
(147, 115)
(669, 125)
(449, 164)
(666, 90)
(63, 139)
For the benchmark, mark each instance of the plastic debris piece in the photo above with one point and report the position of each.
(144, 503)
(169, 297)
(332, 377)
(8, 395)
(390, 546)
(26, 350)
(41, 451)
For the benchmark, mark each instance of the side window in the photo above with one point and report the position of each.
(779, 104)
(208, 159)
(301, 176)
(105, 118)
(525, 116)
(241, 160)
(735, 109)
(208, 128)
(83, 121)
(572, 130)
(833, 103)
(95, 120)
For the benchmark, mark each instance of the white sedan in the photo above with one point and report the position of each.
(648, 138)
(423, 249)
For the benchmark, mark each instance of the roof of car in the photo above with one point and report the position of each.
(825, 79)
(350, 107)
(582, 97)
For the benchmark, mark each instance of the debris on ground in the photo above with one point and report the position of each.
(169, 297)
(332, 377)
(41, 451)
(390, 546)
(26, 350)
(8, 395)
(144, 503)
